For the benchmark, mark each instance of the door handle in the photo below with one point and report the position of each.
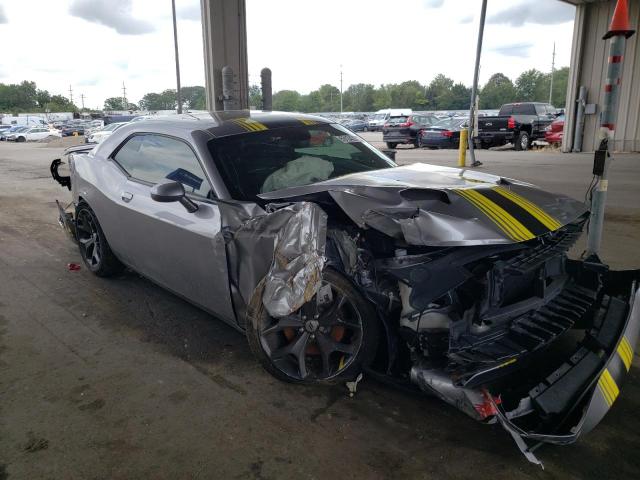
(126, 196)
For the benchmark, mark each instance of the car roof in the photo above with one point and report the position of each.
(233, 122)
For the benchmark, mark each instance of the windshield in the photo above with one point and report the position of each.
(279, 158)
(379, 116)
(397, 120)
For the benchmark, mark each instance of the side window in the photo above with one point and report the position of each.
(541, 109)
(155, 158)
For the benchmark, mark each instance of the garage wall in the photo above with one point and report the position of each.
(589, 68)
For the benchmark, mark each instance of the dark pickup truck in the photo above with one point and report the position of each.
(517, 123)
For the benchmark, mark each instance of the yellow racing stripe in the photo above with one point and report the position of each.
(308, 122)
(249, 124)
(626, 352)
(497, 220)
(503, 219)
(608, 387)
(534, 210)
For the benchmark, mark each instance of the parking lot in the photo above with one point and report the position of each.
(119, 379)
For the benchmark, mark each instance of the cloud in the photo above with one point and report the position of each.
(189, 12)
(3, 16)
(466, 19)
(534, 11)
(515, 50)
(433, 3)
(114, 14)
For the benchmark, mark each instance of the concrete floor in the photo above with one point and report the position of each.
(120, 379)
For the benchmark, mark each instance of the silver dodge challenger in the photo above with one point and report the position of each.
(335, 262)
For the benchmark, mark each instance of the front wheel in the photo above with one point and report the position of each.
(331, 337)
(21, 139)
(522, 142)
(94, 248)
(392, 144)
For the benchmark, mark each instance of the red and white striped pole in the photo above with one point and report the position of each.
(619, 31)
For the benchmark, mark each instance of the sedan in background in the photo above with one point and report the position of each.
(443, 134)
(71, 130)
(555, 131)
(32, 134)
(100, 135)
(356, 125)
(9, 132)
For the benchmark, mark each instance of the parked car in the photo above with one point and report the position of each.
(443, 134)
(14, 129)
(405, 128)
(99, 135)
(555, 131)
(356, 125)
(517, 123)
(377, 120)
(71, 130)
(33, 134)
(334, 261)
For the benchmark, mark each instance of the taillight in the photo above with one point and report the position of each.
(511, 123)
(407, 124)
(446, 133)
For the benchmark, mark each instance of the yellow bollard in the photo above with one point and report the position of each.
(462, 149)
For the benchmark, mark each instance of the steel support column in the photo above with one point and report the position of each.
(224, 32)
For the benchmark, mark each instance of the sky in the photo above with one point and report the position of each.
(96, 45)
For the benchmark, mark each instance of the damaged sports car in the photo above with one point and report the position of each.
(335, 261)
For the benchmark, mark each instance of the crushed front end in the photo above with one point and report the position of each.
(518, 334)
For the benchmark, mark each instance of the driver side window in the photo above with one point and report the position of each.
(156, 158)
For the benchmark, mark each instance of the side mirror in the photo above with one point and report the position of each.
(172, 192)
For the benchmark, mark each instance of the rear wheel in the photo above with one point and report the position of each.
(392, 144)
(327, 339)
(21, 139)
(94, 248)
(523, 141)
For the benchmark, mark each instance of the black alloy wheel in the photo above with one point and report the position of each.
(94, 248)
(332, 336)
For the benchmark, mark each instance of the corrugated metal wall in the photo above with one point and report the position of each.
(589, 68)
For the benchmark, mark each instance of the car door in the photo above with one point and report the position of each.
(179, 250)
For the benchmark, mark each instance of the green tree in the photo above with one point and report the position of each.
(497, 91)
(193, 98)
(359, 97)
(528, 85)
(113, 103)
(60, 103)
(409, 94)
(255, 97)
(166, 100)
(438, 92)
(286, 100)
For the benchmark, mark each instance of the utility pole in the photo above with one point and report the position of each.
(125, 104)
(474, 89)
(82, 97)
(553, 67)
(175, 43)
(619, 31)
(70, 94)
(340, 88)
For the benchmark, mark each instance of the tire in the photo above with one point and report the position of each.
(94, 248)
(21, 139)
(392, 144)
(523, 142)
(322, 355)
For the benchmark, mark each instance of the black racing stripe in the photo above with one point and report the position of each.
(529, 221)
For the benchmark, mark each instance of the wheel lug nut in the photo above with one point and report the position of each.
(301, 329)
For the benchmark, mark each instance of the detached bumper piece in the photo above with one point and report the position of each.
(575, 397)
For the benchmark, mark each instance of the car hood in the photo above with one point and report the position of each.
(430, 205)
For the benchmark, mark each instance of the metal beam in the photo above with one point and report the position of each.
(224, 31)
